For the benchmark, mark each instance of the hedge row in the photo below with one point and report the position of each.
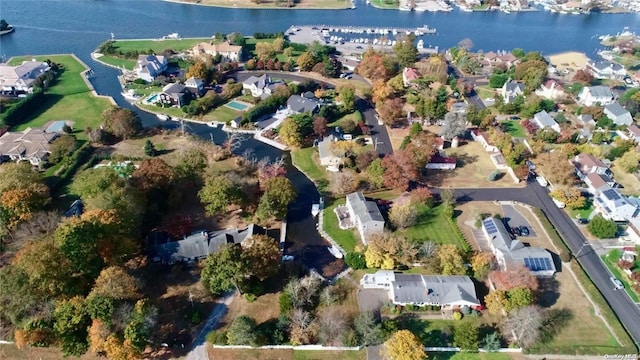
(463, 240)
(21, 110)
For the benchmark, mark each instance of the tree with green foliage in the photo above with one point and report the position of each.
(405, 50)
(70, 324)
(290, 132)
(629, 161)
(347, 95)
(491, 342)
(519, 297)
(224, 271)
(138, 330)
(263, 254)
(189, 164)
(150, 149)
(242, 331)
(602, 228)
(355, 260)
(218, 193)
(466, 336)
(18, 297)
(277, 195)
(63, 146)
(368, 329)
(375, 172)
(100, 307)
(122, 123)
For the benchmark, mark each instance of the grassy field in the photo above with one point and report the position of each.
(118, 62)
(68, 99)
(514, 128)
(267, 4)
(345, 238)
(610, 260)
(223, 113)
(432, 226)
(584, 212)
(307, 160)
(156, 46)
(384, 4)
(485, 91)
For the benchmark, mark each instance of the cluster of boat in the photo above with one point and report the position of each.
(424, 30)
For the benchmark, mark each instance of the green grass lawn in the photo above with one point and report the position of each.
(118, 62)
(306, 160)
(145, 90)
(610, 260)
(223, 114)
(514, 128)
(485, 91)
(583, 212)
(156, 46)
(468, 356)
(432, 226)
(345, 238)
(329, 355)
(69, 98)
(384, 4)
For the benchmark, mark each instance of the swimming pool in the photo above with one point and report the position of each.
(153, 98)
(235, 105)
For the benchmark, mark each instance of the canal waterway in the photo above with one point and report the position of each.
(78, 26)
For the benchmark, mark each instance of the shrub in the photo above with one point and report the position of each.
(495, 175)
(602, 228)
(217, 337)
(20, 110)
(286, 303)
(565, 256)
(355, 260)
(250, 297)
(457, 315)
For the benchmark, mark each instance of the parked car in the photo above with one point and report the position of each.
(617, 284)
(524, 231)
(583, 221)
(516, 231)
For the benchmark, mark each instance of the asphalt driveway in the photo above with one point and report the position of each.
(515, 219)
(372, 299)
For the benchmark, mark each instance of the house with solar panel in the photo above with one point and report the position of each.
(511, 253)
(451, 292)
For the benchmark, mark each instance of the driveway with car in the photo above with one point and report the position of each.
(515, 219)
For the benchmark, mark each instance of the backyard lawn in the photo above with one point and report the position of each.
(384, 4)
(223, 114)
(68, 99)
(118, 62)
(307, 160)
(156, 46)
(345, 238)
(433, 226)
(584, 212)
(514, 128)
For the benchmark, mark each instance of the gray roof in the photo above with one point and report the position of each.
(174, 89)
(259, 81)
(301, 104)
(433, 289)
(600, 91)
(514, 86)
(602, 65)
(194, 82)
(366, 211)
(514, 251)
(200, 244)
(544, 119)
(616, 109)
(324, 147)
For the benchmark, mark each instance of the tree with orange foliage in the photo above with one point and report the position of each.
(373, 65)
(153, 173)
(23, 202)
(399, 170)
(516, 277)
(116, 349)
(114, 282)
(380, 91)
(390, 111)
(98, 333)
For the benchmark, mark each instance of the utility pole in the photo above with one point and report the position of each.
(582, 247)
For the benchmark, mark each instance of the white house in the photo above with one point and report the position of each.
(606, 70)
(225, 49)
(327, 157)
(593, 95)
(483, 138)
(20, 78)
(32, 145)
(544, 120)
(615, 206)
(511, 89)
(260, 86)
(618, 114)
(633, 132)
(365, 214)
(510, 253)
(150, 66)
(451, 292)
(586, 164)
(551, 89)
(597, 183)
(195, 85)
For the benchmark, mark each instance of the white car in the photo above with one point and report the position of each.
(617, 284)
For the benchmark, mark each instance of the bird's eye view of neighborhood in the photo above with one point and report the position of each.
(320, 179)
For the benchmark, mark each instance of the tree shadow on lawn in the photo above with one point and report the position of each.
(429, 337)
(49, 101)
(548, 291)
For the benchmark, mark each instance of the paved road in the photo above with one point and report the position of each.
(537, 196)
(472, 97)
(379, 133)
(199, 346)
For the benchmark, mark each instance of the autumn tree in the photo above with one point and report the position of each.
(200, 70)
(153, 173)
(319, 125)
(306, 61)
(496, 301)
(481, 263)
(403, 215)
(332, 324)
(399, 170)
(421, 147)
(117, 349)
(47, 270)
(98, 333)
(122, 123)
(345, 182)
(629, 161)
(571, 197)
(452, 260)
(388, 250)
(514, 277)
(189, 164)
(114, 282)
(20, 204)
(263, 254)
(218, 193)
(403, 345)
(583, 76)
(301, 327)
(390, 111)
(525, 324)
(290, 132)
(375, 65)
(556, 168)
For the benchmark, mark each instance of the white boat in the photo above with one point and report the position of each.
(315, 209)
(130, 95)
(466, 9)
(163, 117)
(335, 252)
(172, 36)
(405, 8)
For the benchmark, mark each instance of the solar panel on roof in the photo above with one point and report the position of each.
(611, 194)
(527, 263)
(547, 262)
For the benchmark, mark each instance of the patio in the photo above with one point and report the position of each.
(344, 220)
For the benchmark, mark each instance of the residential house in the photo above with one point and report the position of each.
(175, 94)
(634, 133)
(225, 49)
(544, 120)
(198, 245)
(327, 157)
(236, 123)
(409, 75)
(365, 214)
(260, 86)
(586, 164)
(451, 292)
(511, 253)
(594, 95)
(505, 59)
(459, 107)
(440, 162)
(300, 104)
(348, 62)
(482, 137)
(606, 70)
(195, 86)
(511, 89)
(551, 89)
(32, 144)
(149, 67)
(20, 79)
(597, 183)
(618, 114)
(614, 206)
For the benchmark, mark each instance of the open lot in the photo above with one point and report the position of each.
(156, 46)
(474, 167)
(68, 99)
(571, 61)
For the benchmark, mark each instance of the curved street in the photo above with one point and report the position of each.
(625, 309)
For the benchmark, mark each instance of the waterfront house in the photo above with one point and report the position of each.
(633, 132)
(19, 79)
(32, 145)
(149, 67)
(544, 120)
(551, 89)
(326, 155)
(297, 104)
(409, 75)
(225, 49)
(606, 70)
(511, 89)
(260, 86)
(195, 85)
(595, 95)
(505, 59)
(450, 292)
(175, 94)
(619, 115)
(512, 253)
(366, 216)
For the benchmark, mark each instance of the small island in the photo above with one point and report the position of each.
(5, 28)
